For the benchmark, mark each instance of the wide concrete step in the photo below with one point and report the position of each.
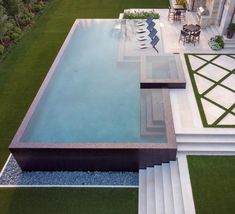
(228, 41)
(159, 196)
(142, 197)
(167, 189)
(176, 188)
(150, 191)
(229, 46)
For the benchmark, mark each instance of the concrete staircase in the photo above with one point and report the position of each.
(152, 114)
(160, 190)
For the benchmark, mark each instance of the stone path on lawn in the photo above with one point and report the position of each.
(213, 80)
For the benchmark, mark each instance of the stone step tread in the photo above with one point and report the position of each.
(157, 106)
(159, 196)
(142, 197)
(151, 123)
(176, 188)
(145, 133)
(167, 189)
(150, 191)
(231, 46)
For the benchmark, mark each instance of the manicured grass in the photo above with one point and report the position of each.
(68, 200)
(22, 73)
(213, 184)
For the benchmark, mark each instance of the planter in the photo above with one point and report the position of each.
(230, 33)
(216, 43)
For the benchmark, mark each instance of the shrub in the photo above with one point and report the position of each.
(13, 34)
(140, 15)
(220, 41)
(37, 7)
(25, 19)
(1, 49)
(216, 43)
(231, 26)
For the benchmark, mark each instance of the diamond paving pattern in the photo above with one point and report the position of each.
(213, 80)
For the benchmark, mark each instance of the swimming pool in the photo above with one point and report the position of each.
(91, 112)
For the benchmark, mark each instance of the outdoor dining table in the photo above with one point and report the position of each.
(192, 28)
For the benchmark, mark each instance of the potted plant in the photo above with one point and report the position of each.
(216, 43)
(231, 30)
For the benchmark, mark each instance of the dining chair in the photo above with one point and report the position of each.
(177, 16)
(171, 14)
(184, 37)
(196, 37)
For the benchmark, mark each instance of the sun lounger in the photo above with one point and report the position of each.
(141, 30)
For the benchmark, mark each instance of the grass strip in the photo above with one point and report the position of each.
(213, 184)
(68, 200)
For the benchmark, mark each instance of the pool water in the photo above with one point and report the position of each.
(91, 97)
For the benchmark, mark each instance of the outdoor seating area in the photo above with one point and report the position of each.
(177, 13)
(190, 34)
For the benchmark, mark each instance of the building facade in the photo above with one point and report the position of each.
(221, 12)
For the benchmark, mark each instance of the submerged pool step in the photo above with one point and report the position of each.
(157, 106)
(149, 127)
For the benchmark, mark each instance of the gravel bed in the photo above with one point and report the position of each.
(13, 175)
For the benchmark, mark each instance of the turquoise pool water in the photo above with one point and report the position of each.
(91, 97)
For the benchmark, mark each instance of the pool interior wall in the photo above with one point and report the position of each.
(91, 96)
(89, 114)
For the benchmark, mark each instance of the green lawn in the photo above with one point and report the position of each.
(68, 200)
(213, 184)
(22, 73)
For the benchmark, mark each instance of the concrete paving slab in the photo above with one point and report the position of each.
(207, 57)
(213, 72)
(212, 111)
(226, 62)
(228, 120)
(202, 83)
(230, 82)
(222, 96)
(196, 62)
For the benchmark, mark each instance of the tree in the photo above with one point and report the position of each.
(14, 8)
(4, 24)
(28, 4)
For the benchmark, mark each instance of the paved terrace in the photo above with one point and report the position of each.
(187, 120)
